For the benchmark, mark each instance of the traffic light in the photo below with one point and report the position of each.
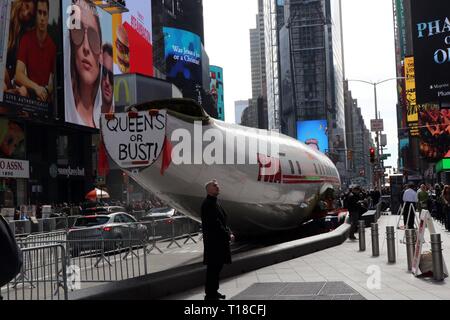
(349, 154)
(372, 155)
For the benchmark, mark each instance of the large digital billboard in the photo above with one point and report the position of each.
(434, 132)
(314, 133)
(88, 63)
(30, 36)
(216, 89)
(183, 53)
(431, 39)
(412, 112)
(132, 38)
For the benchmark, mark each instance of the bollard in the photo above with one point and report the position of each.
(436, 251)
(375, 242)
(390, 238)
(410, 246)
(362, 236)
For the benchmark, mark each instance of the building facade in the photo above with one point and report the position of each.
(312, 71)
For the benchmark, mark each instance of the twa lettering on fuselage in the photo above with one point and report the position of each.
(269, 169)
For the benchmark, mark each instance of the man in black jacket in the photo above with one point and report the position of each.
(355, 205)
(216, 240)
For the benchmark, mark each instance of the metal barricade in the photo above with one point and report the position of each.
(43, 275)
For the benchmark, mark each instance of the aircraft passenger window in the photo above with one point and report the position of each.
(299, 168)
(292, 167)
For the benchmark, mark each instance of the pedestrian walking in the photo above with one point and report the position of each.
(216, 240)
(410, 199)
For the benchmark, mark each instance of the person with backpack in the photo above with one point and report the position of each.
(10, 254)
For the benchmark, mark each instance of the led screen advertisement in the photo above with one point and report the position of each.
(88, 63)
(314, 133)
(216, 89)
(132, 39)
(183, 57)
(28, 58)
(431, 40)
(434, 132)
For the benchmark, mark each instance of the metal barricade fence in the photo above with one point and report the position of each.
(43, 275)
(108, 257)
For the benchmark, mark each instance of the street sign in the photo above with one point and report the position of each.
(385, 156)
(376, 125)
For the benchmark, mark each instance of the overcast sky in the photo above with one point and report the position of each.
(369, 54)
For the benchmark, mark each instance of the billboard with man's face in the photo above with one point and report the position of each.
(88, 63)
(431, 39)
(30, 38)
(132, 38)
(314, 133)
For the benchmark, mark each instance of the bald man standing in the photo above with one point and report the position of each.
(216, 240)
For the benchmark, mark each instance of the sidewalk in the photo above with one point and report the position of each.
(339, 267)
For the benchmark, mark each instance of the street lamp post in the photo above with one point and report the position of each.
(375, 84)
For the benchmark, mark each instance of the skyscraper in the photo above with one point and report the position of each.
(273, 11)
(312, 69)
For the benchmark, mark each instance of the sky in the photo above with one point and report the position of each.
(369, 54)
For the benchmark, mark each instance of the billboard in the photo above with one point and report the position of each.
(411, 101)
(184, 14)
(434, 127)
(314, 133)
(28, 58)
(132, 39)
(183, 53)
(216, 88)
(12, 140)
(88, 74)
(431, 40)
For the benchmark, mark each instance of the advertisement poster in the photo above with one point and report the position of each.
(411, 103)
(431, 40)
(88, 63)
(4, 23)
(183, 53)
(132, 39)
(434, 132)
(12, 140)
(314, 133)
(216, 88)
(33, 33)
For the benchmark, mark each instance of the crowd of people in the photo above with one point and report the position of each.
(434, 199)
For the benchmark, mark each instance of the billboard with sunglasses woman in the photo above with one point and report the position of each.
(86, 31)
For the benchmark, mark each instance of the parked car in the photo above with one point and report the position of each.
(159, 213)
(96, 210)
(109, 231)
